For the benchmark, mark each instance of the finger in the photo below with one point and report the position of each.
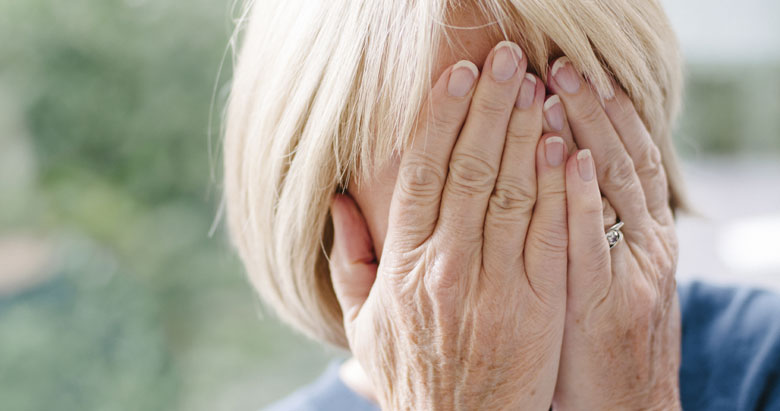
(593, 130)
(512, 202)
(610, 216)
(589, 271)
(546, 246)
(644, 153)
(555, 122)
(352, 260)
(477, 154)
(414, 207)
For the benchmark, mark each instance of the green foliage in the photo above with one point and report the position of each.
(121, 91)
(89, 339)
(111, 100)
(731, 109)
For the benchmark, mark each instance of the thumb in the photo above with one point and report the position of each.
(352, 260)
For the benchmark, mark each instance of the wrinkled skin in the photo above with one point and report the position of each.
(622, 341)
(454, 316)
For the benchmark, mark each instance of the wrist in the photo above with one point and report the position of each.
(660, 398)
(666, 398)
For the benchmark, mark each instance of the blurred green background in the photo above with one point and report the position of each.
(113, 296)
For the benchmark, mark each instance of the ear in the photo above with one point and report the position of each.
(352, 260)
(373, 197)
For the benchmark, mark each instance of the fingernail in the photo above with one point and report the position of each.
(553, 112)
(462, 78)
(527, 92)
(505, 60)
(553, 151)
(565, 76)
(585, 165)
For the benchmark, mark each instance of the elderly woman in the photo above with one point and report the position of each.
(476, 198)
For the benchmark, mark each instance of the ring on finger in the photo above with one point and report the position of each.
(614, 235)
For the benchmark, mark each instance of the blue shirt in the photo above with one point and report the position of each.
(730, 356)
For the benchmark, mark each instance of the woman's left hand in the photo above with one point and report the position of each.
(621, 347)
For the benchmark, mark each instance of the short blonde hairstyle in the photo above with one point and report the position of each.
(327, 90)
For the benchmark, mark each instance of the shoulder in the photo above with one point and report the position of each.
(730, 347)
(326, 393)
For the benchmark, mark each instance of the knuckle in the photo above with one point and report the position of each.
(445, 120)
(490, 108)
(552, 192)
(440, 285)
(591, 211)
(443, 279)
(655, 181)
(420, 178)
(590, 112)
(471, 173)
(523, 127)
(651, 164)
(522, 133)
(655, 154)
(549, 244)
(618, 174)
(512, 197)
(552, 240)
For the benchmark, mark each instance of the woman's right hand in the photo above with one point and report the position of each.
(466, 308)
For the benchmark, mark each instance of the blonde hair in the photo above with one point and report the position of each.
(327, 90)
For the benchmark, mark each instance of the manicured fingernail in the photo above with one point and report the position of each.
(527, 92)
(462, 78)
(565, 76)
(506, 57)
(553, 112)
(553, 151)
(585, 165)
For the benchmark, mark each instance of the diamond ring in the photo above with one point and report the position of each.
(614, 235)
